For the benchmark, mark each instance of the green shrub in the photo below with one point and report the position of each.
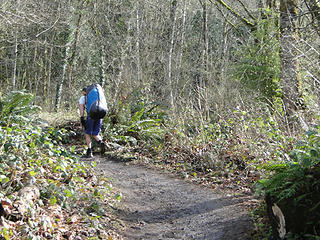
(294, 185)
(15, 106)
(258, 67)
(134, 124)
(32, 155)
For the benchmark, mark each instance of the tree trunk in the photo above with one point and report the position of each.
(205, 54)
(62, 79)
(103, 66)
(69, 54)
(202, 86)
(45, 71)
(183, 32)
(173, 18)
(314, 9)
(138, 61)
(120, 84)
(49, 75)
(290, 76)
(34, 70)
(15, 53)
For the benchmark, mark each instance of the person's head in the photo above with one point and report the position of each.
(84, 91)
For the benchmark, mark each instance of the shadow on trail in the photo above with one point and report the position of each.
(170, 214)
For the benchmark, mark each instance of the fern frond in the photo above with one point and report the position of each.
(16, 103)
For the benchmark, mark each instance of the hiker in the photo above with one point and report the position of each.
(92, 127)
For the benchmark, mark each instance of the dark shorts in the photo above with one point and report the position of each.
(93, 127)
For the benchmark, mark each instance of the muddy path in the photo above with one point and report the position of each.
(157, 205)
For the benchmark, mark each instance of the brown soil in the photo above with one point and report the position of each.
(157, 205)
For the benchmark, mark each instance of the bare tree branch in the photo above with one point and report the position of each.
(247, 10)
(235, 13)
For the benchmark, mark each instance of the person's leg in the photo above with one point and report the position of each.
(88, 141)
(97, 137)
(88, 133)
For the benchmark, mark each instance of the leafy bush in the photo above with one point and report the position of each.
(259, 63)
(15, 106)
(294, 186)
(290, 175)
(141, 125)
(33, 156)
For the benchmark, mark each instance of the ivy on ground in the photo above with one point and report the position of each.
(47, 192)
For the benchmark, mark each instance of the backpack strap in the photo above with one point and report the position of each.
(85, 102)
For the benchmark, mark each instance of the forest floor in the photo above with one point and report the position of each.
(160, 205)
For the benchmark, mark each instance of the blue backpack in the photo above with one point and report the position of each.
(96, 103)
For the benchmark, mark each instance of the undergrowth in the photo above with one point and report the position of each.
(293, 184)
(234, 152)
(46, 191)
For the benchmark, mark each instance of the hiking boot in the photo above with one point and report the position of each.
(102, 147)
(89, 153)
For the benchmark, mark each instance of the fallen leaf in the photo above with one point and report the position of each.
(74, 219)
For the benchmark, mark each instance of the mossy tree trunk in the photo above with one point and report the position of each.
(314, 9)
(290, 72)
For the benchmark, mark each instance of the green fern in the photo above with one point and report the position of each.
(16, 106)
(294, 185)
(294, 178)
(135, 124)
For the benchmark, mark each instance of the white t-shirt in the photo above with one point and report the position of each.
(82, 100)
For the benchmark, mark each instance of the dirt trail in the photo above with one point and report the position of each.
(158, 206)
